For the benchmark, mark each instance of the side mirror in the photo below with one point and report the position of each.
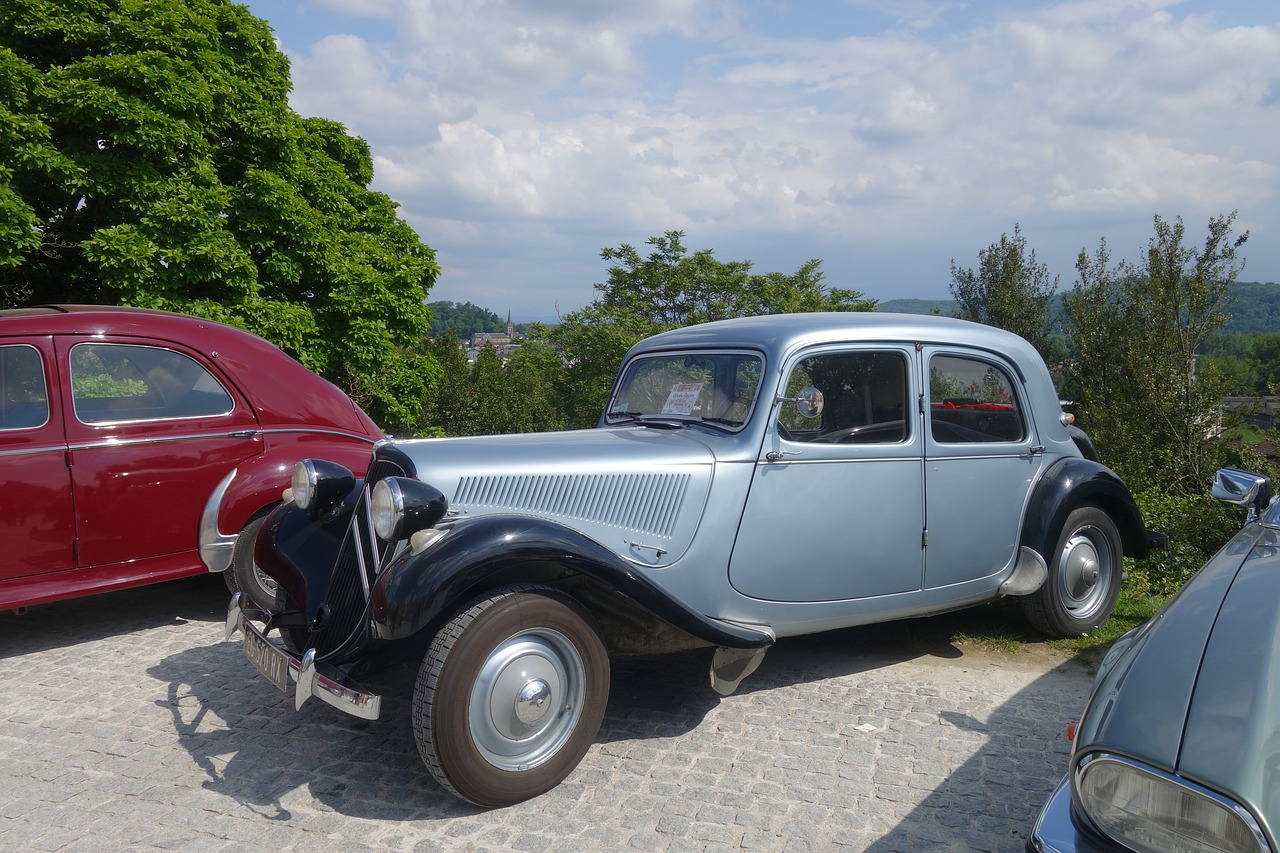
(810, 403)
(1241, 488)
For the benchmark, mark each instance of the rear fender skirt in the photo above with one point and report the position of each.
(1069, 483)
(300, 550)
(416, 589)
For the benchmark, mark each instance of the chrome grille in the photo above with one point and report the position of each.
(640, 503)
(356, 568)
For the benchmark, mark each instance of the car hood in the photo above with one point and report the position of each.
(1195, 691)
(638, 491)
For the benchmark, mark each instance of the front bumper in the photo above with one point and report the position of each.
(1054, 831)
(310, 678)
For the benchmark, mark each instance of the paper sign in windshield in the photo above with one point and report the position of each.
(681, 399)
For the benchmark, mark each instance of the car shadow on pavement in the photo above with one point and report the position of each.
(202, 598)
(884, 738)
(254, 748)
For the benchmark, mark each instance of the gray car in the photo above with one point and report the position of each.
(1179, 745)
(749, 480)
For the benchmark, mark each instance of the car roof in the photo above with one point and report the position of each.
(285, 392)
(778, 334)
(108, 320)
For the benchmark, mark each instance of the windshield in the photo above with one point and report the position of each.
(716, 388)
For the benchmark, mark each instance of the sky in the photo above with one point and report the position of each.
(886, 138)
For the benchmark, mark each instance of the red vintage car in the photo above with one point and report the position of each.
(141, 446)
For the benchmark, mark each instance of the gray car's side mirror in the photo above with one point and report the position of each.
(1242, 488)
(809, 403)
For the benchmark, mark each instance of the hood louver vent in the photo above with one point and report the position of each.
(639, 503)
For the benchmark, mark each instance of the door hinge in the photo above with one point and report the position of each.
(924, 538)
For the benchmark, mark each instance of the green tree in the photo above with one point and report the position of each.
(1151, 404)
(464, 319)
(448, 407)
(1009, 289)
(492, 396)
(667, 289)
(148, 157)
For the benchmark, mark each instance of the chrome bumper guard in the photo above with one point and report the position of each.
(309, 677)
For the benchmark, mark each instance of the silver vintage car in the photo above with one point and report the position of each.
(1178, 750)
(749, 479)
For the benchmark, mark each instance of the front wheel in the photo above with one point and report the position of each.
(1084, 577)
(510, 696)
(255, 584)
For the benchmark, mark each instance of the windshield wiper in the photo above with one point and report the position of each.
(652, 420)
(733, 422)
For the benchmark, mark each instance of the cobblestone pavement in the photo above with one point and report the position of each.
(126, 722)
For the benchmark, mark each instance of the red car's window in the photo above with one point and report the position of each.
(24, 396)
(120, 382)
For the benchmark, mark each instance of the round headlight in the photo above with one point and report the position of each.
(303, 484)
(401, 506)
(387, 507)
(318, 483)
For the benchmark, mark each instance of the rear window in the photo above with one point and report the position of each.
(24, 394)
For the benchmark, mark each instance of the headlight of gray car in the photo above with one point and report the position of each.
(317, 483)
(1151, 812)
(401, 507)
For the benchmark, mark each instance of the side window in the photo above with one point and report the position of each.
(971, 400)
(24, 395)
(119, 382)
(864, 399)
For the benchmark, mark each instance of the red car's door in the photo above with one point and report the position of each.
(151, 428)
(37, 518)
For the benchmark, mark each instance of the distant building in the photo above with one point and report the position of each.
(505, 343)
(1263, 412)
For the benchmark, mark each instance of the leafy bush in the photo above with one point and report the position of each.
(1197, 526)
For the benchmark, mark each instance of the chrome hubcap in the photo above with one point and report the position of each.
(526, 699)
(1082, 572)
(532, 701)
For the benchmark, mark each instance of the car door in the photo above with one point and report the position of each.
(37, 516)
(836, 505)
(151, 428)
(982, 457)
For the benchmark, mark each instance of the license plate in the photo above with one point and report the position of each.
(269, 660)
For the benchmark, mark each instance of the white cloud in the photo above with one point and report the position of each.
(518, 134)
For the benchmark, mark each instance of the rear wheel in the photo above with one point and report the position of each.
(510, 696)
(1084, 577)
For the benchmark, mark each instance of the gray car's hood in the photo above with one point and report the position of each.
(638, 491)
(1195, 691)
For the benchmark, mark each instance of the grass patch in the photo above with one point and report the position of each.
(1001, 627)
(1132, 609)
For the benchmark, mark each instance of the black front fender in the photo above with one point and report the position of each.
(1071, 482)
(298, 549)
(417, 589)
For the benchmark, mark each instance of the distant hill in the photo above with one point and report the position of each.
(1255, 307)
